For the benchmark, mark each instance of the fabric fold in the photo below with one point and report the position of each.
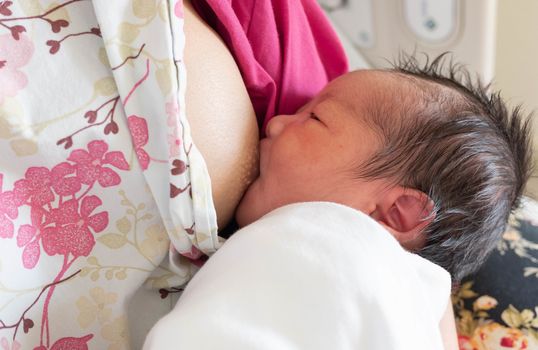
(287, 51)
(309, 276)
(152, 91)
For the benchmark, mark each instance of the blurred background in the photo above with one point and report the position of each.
(497, 39)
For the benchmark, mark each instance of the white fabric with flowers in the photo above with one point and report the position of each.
(98, 172)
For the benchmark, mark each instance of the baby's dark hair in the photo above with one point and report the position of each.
(457, 142)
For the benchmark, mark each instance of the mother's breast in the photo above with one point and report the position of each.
(221, 115)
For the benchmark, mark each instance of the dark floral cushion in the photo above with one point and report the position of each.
(497, 308)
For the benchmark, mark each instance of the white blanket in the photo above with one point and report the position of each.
(309, 276)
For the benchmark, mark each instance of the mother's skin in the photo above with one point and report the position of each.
(220, 113)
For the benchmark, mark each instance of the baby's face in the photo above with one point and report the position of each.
(314, 155)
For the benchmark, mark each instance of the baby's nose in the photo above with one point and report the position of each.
(277, 124)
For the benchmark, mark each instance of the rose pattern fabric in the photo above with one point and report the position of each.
(99, 178)
(497, 307)
(8, 210)
(90, 165)
(14, 55)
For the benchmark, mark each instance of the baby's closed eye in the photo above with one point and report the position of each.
(315, 117)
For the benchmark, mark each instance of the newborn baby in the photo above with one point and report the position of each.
(378, 165)
(440, 163)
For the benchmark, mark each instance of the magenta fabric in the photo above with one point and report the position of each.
(287, 51)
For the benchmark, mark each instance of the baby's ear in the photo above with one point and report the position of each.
(405, 213)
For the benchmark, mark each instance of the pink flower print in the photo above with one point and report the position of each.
(8, 210)
(28, 232)
(62, 183)
(174, 144)
(28, 237)
(194, 254)
(21, 192)
(90, 167)
(25, 235)
(178, 9)
(35, 186)
(14, 54)
(71, 343)
(172, 111)
(31, 252)
(72, 231)
(139, 134)
(5, 344)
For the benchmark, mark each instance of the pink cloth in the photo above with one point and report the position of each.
(287, 51)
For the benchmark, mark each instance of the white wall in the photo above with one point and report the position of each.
(516, 71)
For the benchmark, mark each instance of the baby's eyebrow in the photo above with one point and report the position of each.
(326, 96)
(318, 100)
(333, 100)
(321, 98)
(303, 107)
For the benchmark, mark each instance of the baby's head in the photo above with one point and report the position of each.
(435, 159)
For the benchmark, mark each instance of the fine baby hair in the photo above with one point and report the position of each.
(456, 141)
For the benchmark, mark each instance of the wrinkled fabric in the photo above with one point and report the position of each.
(309, 276)
(99, 177)
(287, 51)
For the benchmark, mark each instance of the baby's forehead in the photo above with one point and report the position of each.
(365, 92)
(386, 91)
(371, 86)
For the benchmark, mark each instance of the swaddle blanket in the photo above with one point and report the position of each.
(98, 171)
(309, 276)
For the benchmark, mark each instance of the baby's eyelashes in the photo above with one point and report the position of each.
(313, 116)
(317, 119)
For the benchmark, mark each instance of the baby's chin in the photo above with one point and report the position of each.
(250, 207)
